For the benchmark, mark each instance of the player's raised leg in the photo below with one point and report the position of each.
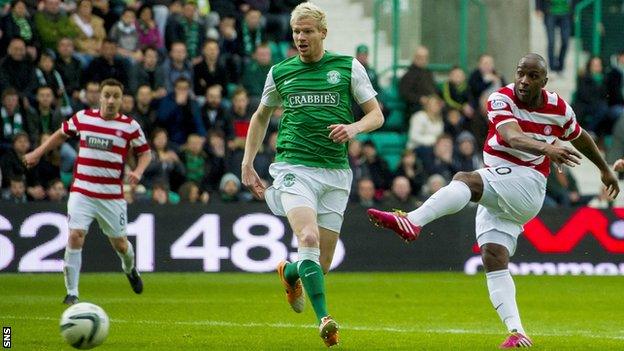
(465, 187)
(72, 263)
(125, 251)
(289, 276)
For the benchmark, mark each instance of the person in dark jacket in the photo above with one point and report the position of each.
(614, 82)
(184, 28)
(210, 70)
(251, 32)
(12, 119)
(18, 24)
(180, 113)
(484, 79)
(17, 71)
(150, 73)
(69, 67)
(590, 103)
(214, 115)
(417, 82)
(43, 116)
(107, 65)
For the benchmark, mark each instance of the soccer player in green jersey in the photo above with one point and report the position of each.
(311, 173)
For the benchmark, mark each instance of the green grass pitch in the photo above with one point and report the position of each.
(377, 311)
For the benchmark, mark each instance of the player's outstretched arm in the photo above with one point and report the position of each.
(255, 135)
(32, 158)
(373, 119)
(515, 137)
(586, 145)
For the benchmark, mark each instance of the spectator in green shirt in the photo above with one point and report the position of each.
(52, 24)
(256, 72)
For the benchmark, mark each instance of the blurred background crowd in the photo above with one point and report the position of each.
(194, 72)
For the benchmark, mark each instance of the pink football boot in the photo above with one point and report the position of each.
(396, 221)
(516, 339)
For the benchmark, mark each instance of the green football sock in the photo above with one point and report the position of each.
(314, 284)
(291, 273)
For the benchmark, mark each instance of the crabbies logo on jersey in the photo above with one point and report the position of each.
(333, 77)
(289, 180)
(498, 105)
(312, 98)
(99, 143)
(547, 130)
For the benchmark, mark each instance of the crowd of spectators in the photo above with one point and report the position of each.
(194, 73)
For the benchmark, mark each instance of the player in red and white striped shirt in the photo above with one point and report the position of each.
(106, 136)
(525, 123)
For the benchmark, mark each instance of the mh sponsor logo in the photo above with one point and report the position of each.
(314, 99)
(99, 143)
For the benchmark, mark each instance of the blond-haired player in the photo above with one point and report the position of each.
(311, 169)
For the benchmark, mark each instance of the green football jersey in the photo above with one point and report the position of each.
(315, 96)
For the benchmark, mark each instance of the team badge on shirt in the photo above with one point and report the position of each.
(547, 130)
(289, 180)
(498, 104)
(333, 77)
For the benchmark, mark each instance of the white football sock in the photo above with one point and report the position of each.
(127, 259)
(309, 253)
(503, 296)
(71, 269)
(448, 200)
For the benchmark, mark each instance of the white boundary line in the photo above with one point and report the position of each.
(213, 323)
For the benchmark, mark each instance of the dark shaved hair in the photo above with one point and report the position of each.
(536, 57)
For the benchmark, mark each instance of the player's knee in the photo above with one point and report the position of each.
(309, 237)
(495, 257)
(461, 176)
(120, 246)
(473, 181)
(75, 239)
(466, 177)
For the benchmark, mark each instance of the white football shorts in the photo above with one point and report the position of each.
(324, 190)
(512, 196)
(110, 214)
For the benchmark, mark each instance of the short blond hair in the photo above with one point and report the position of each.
(309, 10)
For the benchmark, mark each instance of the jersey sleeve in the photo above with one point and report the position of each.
(499, 110)
(70, 126)
(361, 87)
(571, 129)
(138, 140)
(270, 95)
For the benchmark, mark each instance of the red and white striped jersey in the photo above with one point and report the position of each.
(554, 120)
(104, 144)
